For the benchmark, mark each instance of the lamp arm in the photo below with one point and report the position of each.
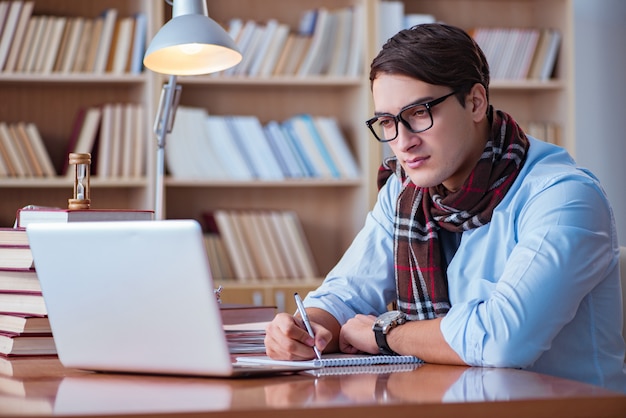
(168, 104)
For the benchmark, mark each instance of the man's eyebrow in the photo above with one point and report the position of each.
(421, 100)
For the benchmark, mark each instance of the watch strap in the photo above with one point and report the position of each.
(381, 340)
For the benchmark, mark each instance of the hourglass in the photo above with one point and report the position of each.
(82, 168)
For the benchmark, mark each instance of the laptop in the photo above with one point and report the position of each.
(135, 297)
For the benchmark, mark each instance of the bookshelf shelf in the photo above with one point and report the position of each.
(275, 81)
(73, 78)
(308, 183)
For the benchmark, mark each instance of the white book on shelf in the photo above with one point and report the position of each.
(11, 147)
(338, 65)
(7, 32)
(262, 156)
(320, 145)
(306, 163)
(76, 26)
(105, 142)
(294, 234)
(40, 149)
(29, 147)
(356, 52)
(121, 49)
(390, 16)
(338, 146)
(226, 149)
(117, 130)
(106, 38)
(16, 45)
(248, 41)
(238, 252)
(140, 142)
(128, 138)
(310, 148)
(314, 58)
(280, 264)
(40, 25)
(138, 47)
(530, 46)
(279, 142)
(23, 150)
(54, 44)
(551, 55)
(45, 43)
(274, 49)
(4, 10)
(243, 39)
(266, 35)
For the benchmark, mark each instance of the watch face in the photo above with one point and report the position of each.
(391, 317)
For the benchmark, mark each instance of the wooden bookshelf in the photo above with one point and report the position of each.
(331, 212)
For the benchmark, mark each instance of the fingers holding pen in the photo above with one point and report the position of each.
(286, 338)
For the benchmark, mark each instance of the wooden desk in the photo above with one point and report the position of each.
(41, 386)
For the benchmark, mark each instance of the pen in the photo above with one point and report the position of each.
(307, 323)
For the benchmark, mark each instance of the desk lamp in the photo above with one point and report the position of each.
(191, 43)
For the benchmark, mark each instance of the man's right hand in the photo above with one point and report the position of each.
(286, 337)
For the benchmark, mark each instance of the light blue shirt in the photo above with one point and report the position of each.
(537, 288)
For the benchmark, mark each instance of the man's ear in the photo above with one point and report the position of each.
(477, 100)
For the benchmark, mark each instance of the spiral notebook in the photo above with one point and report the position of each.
(334, 360)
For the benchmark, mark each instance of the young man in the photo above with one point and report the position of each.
(496, 248)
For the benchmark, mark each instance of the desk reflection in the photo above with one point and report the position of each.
(86, 393)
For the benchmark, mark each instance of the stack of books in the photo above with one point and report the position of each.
(24, 325)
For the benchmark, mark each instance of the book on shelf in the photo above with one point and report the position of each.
(18, 279)
(16, 43)
(10, 26)
(109, 18)
(16, 165)
(138, 44)
(38, 214)
(16, 257)
(26, 345)
(13, 323)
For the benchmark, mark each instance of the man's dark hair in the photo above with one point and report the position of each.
(437, 54)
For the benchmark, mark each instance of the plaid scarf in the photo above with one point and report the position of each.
(421, 281)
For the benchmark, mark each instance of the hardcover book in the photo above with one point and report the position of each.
(37, 214)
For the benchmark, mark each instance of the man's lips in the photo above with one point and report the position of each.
(415, 162)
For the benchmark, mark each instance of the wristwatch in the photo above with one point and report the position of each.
(383, 324)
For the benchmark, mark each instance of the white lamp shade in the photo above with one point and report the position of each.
(191, 44)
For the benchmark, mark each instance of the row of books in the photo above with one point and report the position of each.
(512, 53)
(239, 147)
(23, 152)
(328, 42)
(115, 135)
(519, 53)
(70, 44)
(247, 245)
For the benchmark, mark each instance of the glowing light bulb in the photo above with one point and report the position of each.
(190, 49)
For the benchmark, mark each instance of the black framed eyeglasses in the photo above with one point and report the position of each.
(416, 117)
